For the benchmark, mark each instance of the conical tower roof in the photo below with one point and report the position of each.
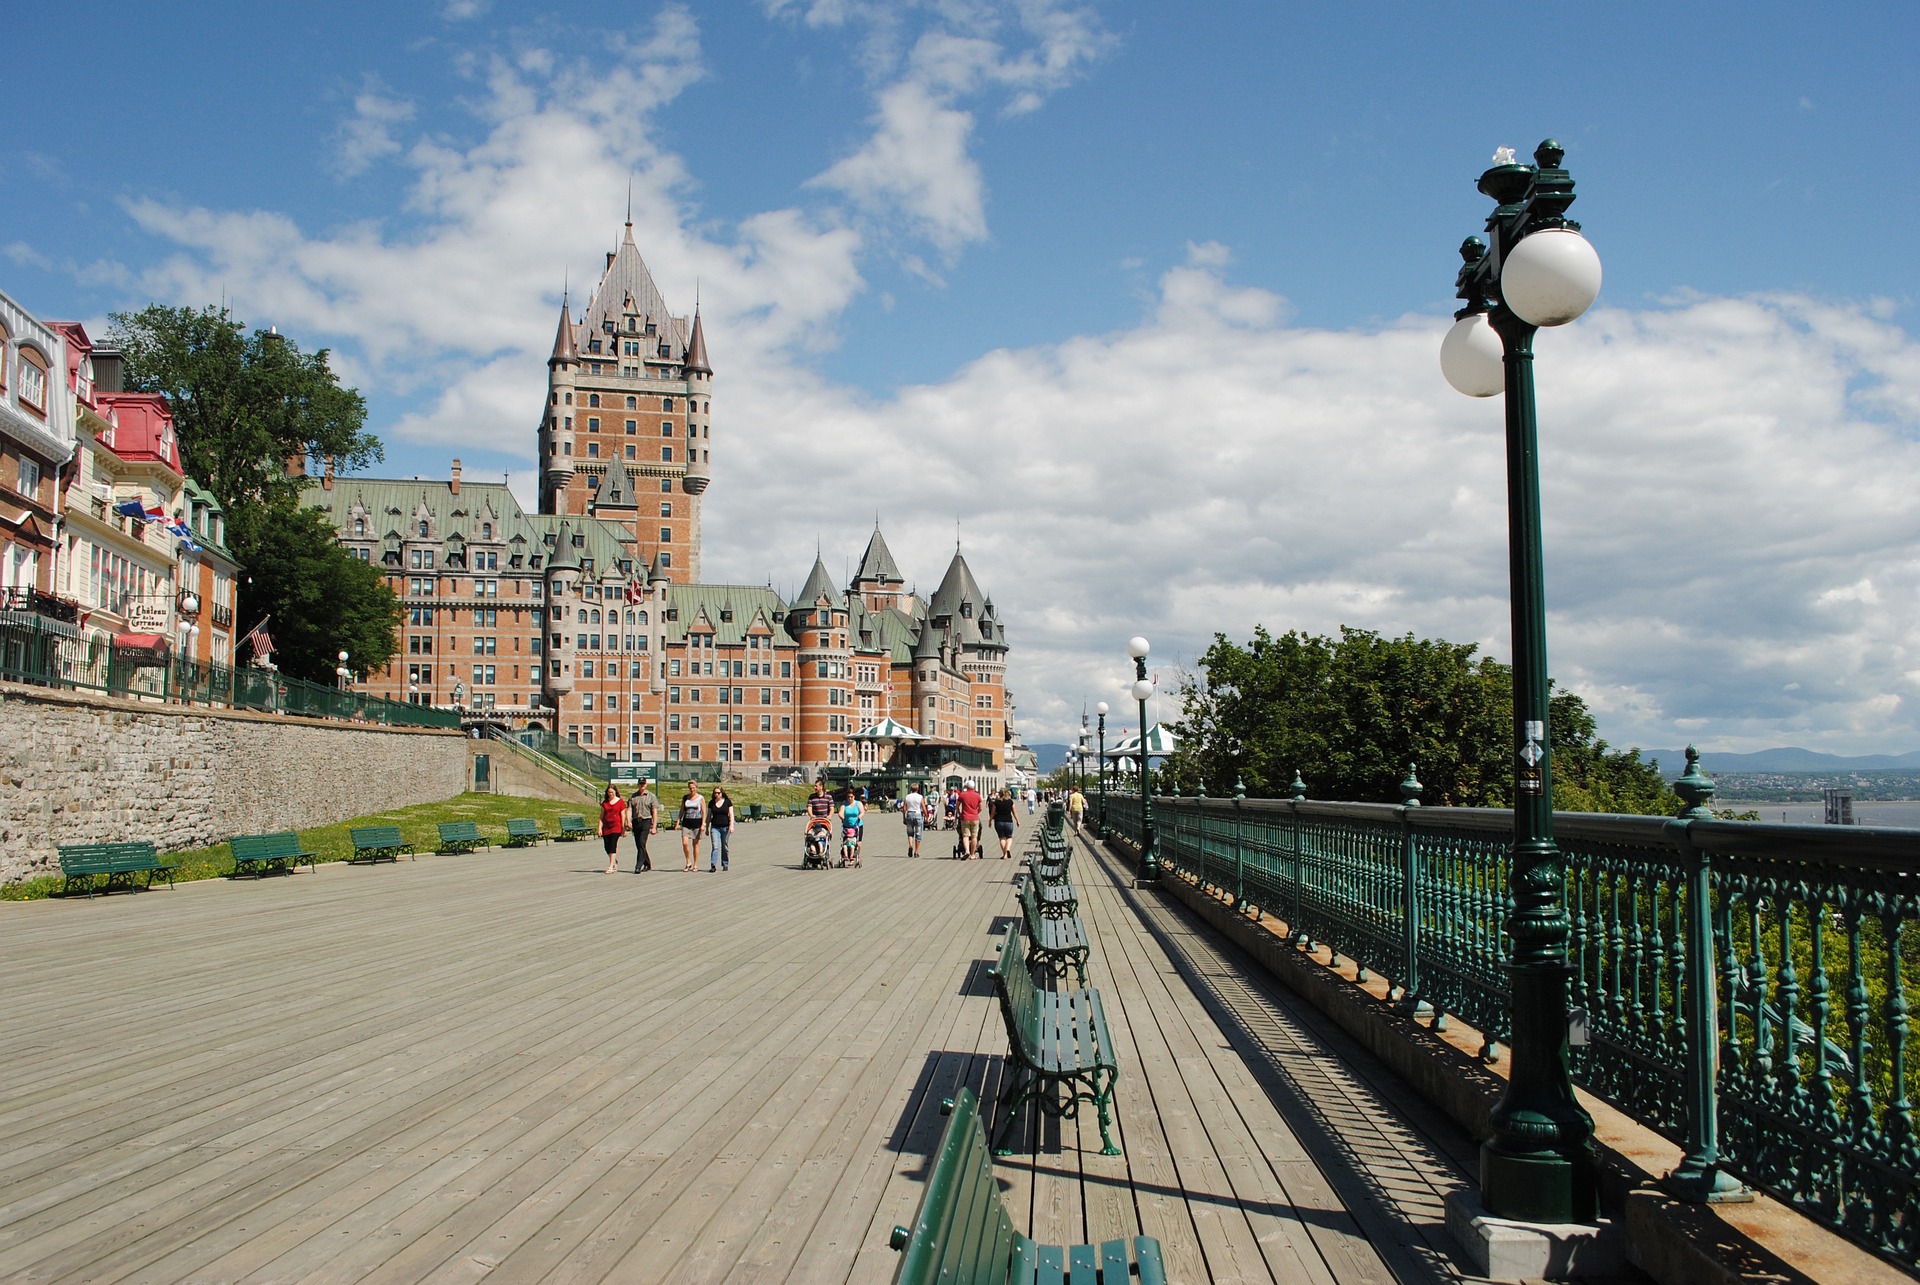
(877, 564)
(565, 349)
(697, 347)
(563, 558)
(819, 585)
(960, 599)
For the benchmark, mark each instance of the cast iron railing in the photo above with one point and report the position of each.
(1812, 932)
(50, 655)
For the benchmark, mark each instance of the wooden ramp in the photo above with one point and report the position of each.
(510, 1066)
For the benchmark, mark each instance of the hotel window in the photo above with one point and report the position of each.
(666, 506)
(666, 534)
(633, 426)
(666, 454)
(666, 430)
(593, 399)
(586, 700)
(593, 423)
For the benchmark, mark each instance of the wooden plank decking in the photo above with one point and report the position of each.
(511, 1066)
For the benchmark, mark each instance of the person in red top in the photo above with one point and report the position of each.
(969, 808)
(613, 822)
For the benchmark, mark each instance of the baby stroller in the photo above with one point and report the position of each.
(819, 854)
(850, 845)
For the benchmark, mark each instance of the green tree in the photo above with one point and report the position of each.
(323, 601)
(1349, 714)
(243, 406)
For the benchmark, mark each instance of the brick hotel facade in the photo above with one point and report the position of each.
(589, 617)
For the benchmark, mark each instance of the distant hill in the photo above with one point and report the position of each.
(1048, 757)
(1789, 759)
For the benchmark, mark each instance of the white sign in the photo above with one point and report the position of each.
(147, 618)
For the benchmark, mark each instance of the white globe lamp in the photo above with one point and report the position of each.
(1142, 689)
(1471, 357)
(1138, 647)
(1550, 277)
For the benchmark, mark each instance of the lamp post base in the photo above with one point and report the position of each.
(1540, 1186)
(1514, 1249)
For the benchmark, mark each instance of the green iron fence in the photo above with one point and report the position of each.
(1806, 952)
(47, 655)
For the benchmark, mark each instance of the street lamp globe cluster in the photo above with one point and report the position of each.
(1533, 269)
(1138, 647)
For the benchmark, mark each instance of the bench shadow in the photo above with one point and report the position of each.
(978, 980)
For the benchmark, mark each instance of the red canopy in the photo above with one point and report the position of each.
(139, 642)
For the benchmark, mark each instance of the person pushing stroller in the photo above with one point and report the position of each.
(819, 838)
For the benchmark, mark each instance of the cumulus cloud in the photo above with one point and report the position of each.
(367, 135)
(930, 64)
(1730, 532)
(1729, 535)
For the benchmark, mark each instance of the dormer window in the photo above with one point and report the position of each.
(423, 530)
(360, 528)
(579, 541)
(649, 327)
(486, 530)
(966, 609)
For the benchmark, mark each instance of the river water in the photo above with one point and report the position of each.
(1899, 814)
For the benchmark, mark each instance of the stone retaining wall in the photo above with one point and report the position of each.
(76, 768)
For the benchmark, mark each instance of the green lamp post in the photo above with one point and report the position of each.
(1138, 647)
(1100, 765)
(1534, 269)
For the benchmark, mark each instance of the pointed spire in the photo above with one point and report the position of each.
(565, 350)
(697, 346)
(629, 207)
(877, 565)
(819, 585)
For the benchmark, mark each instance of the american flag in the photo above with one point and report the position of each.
(259, 639)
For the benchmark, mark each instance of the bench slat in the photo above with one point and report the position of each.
(962, 1232)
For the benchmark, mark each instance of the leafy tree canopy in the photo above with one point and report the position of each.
(1351, 713)
(243, 406)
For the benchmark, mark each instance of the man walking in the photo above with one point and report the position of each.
(913, 810)
(969, 810)
(643, 814)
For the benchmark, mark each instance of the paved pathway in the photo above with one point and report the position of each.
(511, 1066)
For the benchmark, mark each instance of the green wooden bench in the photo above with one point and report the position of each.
(1053, 939)
(573, 826)
(377, 843)
(461, 836)
(106, 866)
(256, 854)
(1056, 1040)
(962, 1231)
(523, 832)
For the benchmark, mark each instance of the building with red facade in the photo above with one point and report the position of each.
(589, 617)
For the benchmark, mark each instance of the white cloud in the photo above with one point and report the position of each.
(367, 135)
(915, 167)
(1727, 482)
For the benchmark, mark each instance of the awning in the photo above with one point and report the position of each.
(143, 646)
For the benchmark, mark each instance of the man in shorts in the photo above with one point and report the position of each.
(968, 807)
(913, 809)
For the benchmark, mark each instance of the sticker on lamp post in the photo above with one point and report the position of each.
(1533, 753)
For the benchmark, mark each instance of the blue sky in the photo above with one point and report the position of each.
(1144, 296)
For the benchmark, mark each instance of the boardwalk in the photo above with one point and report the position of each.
(513, 1067)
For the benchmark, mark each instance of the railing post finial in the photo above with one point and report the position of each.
(1299, 787)
(1696, 788)
(1410, 789)
(1239, 787)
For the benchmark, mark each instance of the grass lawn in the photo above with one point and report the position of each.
(490, 812)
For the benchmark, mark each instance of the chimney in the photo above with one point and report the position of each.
(454, 486)
(297, 465)
(326, 474)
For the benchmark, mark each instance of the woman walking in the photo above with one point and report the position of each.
(719, 829)
(613, 823)
(1005, 818)
(693, 819)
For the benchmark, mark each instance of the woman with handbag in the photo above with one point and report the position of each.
(693, 819)
(719, 828)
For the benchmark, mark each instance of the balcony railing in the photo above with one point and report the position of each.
(47, 659)
(1814, 935)
(21, 598)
